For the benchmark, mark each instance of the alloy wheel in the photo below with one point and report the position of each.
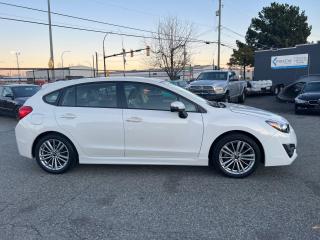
(54, 154)
(237, 157)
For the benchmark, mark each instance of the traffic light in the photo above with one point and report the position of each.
(148, 50)
(131, 53)
(124, 52)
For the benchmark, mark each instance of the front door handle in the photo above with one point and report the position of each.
(68, 116)
(134, 119)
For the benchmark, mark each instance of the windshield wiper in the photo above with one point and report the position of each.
(216, 104)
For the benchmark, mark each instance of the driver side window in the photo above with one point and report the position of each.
(150, 97)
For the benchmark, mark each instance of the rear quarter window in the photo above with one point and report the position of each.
(52, 98)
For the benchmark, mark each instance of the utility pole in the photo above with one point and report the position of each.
(219, 32)
(51, 62)
(104, 56)
(97, 65)
(184, 61)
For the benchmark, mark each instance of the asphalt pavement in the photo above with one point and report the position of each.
(163, 202)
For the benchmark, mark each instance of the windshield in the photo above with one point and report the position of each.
(186, 92)
(25, 91)
(213, 76)
(312, 87)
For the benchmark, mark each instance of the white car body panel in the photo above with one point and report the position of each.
(105, 136)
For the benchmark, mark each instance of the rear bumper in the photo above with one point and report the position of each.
(24, 139)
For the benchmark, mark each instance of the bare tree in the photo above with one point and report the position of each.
(170, 46)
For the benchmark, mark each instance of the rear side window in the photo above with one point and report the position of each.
(99, 95)
(69, 97)
(95, 95)
(52, 98)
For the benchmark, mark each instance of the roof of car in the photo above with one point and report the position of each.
(18, 85)
(65, 83)
(215, 71)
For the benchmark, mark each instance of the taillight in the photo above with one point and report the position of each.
(24, 111)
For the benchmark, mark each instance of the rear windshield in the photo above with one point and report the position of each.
(213, 76)
(25, 91)
(312, 87)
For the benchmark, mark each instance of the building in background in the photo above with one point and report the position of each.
(284, 66)
(73, 72)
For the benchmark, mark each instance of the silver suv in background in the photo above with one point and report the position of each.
(219, 85)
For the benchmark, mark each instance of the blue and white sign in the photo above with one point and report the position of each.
(290, 61)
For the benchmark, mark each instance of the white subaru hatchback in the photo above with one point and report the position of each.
(147, 121)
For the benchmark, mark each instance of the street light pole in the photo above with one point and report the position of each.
(50, 37)
(104, 56)
(17, 56)
(94, 72)
(62, 61)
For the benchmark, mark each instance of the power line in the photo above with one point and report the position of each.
(99, 31)
(94, 21)
(230, 30)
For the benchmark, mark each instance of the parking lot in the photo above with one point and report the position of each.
(163, 202)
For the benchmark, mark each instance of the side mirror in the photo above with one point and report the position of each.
(9, 96)
(180, 108)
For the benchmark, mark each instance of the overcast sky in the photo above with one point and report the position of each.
(33, 40)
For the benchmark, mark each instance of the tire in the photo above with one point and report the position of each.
(242, 97)
(276, 90)
(232, 163)
(297, 110)
(55, 154)
(227, 97)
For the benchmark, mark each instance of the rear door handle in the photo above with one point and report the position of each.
(134, 119)
(68, 116)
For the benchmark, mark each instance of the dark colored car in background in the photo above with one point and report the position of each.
(290, 92)
(309, 98)
(13, 96)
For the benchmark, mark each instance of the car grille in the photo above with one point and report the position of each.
(202, 89)
(314, 102)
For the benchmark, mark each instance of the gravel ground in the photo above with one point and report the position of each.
(160, 202)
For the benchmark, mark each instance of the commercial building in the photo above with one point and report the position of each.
(284, 66)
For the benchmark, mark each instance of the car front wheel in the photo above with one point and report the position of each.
(236, 155)
(55, 154)
(242, 97)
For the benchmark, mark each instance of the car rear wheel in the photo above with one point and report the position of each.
(55, 154)
(236, 155)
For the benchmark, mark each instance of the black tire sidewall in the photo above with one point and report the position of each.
(72, 155)
(227, 97)
(233, 137)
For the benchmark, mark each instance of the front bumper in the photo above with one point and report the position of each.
(281, 150)
(211, 96)
(308, 106)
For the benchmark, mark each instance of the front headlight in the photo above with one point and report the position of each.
(280, 126)
(298, 100)
(218, 89)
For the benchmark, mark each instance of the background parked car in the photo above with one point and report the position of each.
(309, 98)
(289, 93)
(12, 97)
(219, 85)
